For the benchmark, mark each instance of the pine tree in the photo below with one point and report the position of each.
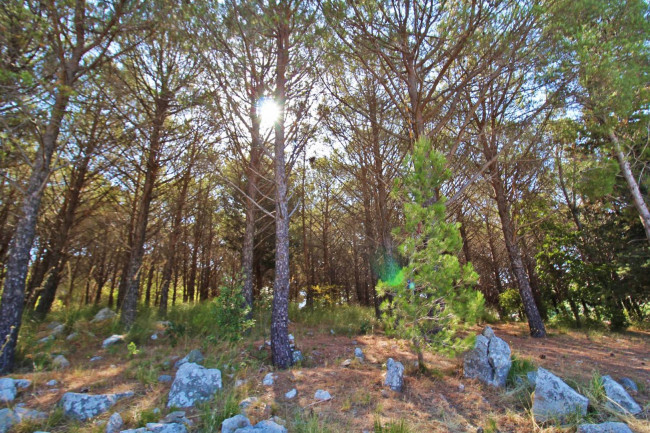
(432, 294)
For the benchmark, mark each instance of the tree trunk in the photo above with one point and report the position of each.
(13, 295)
(281, 352)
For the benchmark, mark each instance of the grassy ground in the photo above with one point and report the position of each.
(441, 401)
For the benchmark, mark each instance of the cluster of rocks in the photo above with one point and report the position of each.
(553, 400)
(10, 417)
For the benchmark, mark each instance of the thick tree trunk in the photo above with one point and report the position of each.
(13, 295)
(281, 352)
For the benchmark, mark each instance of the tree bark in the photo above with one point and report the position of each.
(281, 352)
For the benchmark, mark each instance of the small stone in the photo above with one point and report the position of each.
(7, 419)
(240, 382)
(247, 402)
(72, 336)
(7, 390)
(291, 394)
(156, 427)
(322, 395)
(346, 363)
(115, 423)
(332, 332)
(52, 382)
(394, 375)
(156, 411)
(358, 353)
(297, 356)
(59, 362)
(291, 338)
(103, 314)
(96, 358)
(268, 380)
(154, 336)
(195, 357)
(113, 339)
(618, 398)
(53, 325)
(25, 414)
(46, 339)
(176, 417)
(629, 384)
(22, 383)
(461, 387)
(164, 378)
(606, 427)
(230, 425)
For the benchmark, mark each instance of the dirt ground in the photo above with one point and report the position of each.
(443, 401)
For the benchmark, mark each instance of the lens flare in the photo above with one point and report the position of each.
(268, 111)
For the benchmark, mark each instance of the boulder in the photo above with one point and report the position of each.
(176, 417)
(84, 406)
(25, 414)
(394, 375)
(103, 314)
(113, 339)
(489, 360)
(195, 356)
(606, 427)
(230, 425)
(291, 394)
(268, 380)
(267, 426)
(554, 399)
(629, 384)
(322, 395)
(358, 353)
(7, 419)
(617, 397)
(114, 424)
(60, 362)
(193, 383)
(7, 390)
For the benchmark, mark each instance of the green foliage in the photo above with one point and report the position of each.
(510, 302)
(599, 179)
(133, 349)
(309, 424)
(519, 369)
(391, 427)
(345, 320)
(213, 413)
(146, 416)
(231, 313)
(428, 299)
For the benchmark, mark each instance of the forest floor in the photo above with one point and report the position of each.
(442, 401)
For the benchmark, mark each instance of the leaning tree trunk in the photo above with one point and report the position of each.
(281, 352)
(13, 295)
(535, 322)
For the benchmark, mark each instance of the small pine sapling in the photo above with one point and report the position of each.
(429, 298)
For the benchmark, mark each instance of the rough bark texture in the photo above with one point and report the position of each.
(281, 352)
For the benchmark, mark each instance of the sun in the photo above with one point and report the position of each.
(268, 111)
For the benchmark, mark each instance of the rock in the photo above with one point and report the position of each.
(112, 340)
(554, 399)
(164, 378)
(268, 380)
(154, 336)
(114, 424)
(346, 363)
(240, 382)
(46, 339)
(103, 314)
(291, 394)
(358, 353)
(461, 387)
(52, 382)
(59, 362)
(489, 360)
(291, 338)
(84, 406)
(230, 425)
(627, 383)
(24, 414)
(322, 395)
(53, 325)
(58, 331)
(96, 358)
(394, 375)
(606, 427)
(165, 428)
(193, 383)
(195, 356)
(71, 336)
(297, 356)
(7, 390)
(22, 383)
(532, 378)
(247, 402)
(7, 419)
(176, 417)
(267, 426)
(618, 398)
